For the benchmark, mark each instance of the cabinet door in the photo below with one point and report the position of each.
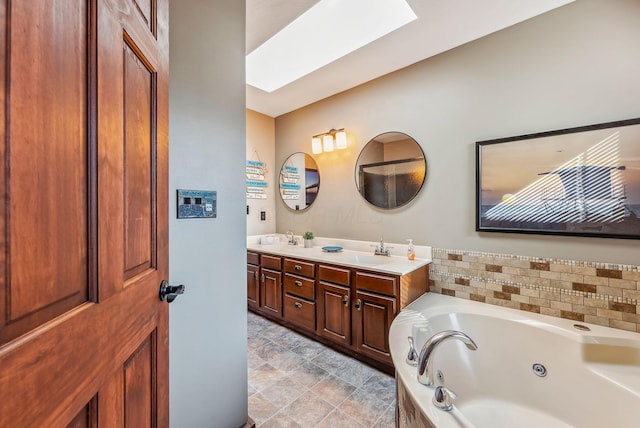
(253, 286)
(372, 317)
(334, 312)
(271, 292)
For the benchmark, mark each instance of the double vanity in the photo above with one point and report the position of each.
(344, 299)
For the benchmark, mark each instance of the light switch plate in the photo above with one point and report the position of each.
(197, 203)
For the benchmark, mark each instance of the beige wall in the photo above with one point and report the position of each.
(261, 140)
(577, 65)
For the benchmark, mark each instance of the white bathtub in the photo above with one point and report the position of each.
(592, 380)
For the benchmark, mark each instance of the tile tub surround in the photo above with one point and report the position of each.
(296, 382)
(599, 293)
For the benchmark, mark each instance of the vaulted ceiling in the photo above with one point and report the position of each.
(440, 26)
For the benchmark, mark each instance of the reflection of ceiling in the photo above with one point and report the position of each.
(441, 25)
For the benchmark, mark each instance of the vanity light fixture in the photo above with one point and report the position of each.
(336, 138)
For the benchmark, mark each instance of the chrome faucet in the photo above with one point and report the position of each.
(291, 238)
(425, 360)
(381, 250)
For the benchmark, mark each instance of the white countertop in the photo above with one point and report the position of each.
(357, 254)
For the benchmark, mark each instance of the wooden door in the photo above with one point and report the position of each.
(84, 105)
(334, 312)
(372, 317)
(253, 286)
(271, 292)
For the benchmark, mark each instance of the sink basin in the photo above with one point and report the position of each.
(369, 260)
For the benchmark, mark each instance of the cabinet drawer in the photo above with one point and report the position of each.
(271, 262)
(377, 283)
(300, 312)
(253, 258)
(334, 274)
(299, 286)
(299, 268)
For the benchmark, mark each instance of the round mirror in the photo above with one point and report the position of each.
(299, 181)
(390, 170)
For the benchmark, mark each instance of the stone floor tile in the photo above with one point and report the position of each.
(308, 374)
(388, 418)
(354, 372)
(264, 376)
(260, 408)
(284, 392)
(308, 409)
(333, 390)
(364, 407)
(280, 420)
(337, 419)
(330, 360)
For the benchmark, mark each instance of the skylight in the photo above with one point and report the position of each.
(326, 32)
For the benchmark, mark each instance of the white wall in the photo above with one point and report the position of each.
(261, 140)
(576, 65)
(208, 365)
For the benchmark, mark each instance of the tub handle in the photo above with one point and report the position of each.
(443, 397)
(412, 356)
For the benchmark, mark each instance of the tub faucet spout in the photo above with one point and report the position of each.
(425, 360)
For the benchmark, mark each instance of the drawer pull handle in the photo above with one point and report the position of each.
(358, 304)
(298, 283)
(297, 304)
(297, 267)
(345, 300)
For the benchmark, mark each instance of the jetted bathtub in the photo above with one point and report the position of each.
(591, 374)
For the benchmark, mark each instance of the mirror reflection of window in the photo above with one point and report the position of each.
(390, 170)
(299, 181)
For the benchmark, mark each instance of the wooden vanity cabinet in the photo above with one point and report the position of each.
(348, 308)
(271, 285)
(253, 280)
(334, 303)
(299, 293)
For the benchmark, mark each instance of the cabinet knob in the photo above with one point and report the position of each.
(345, 300)
(255, 275)
(298, 283)
(358, 304)
(297, 304)
(262, 278)
(297, 267)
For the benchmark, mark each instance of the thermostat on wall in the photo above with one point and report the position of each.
(197, 203)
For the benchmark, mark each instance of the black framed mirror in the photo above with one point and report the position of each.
(390, 170)
(299, 181)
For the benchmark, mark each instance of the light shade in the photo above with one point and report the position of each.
(327, 142)
(316, 145)
(341, 140)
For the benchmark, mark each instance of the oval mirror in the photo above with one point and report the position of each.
(299, 181)
(390, 170)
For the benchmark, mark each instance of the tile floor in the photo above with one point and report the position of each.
(296, 382)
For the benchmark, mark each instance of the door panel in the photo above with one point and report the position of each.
(85, 213)
(138, 387)
(139, 152)
(271, 292)
(45, 209)
(371, 323)
(334, 312)
(253, 286)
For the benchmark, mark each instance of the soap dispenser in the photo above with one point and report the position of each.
(411, 252)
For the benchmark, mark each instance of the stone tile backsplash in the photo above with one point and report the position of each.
(599, 293)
